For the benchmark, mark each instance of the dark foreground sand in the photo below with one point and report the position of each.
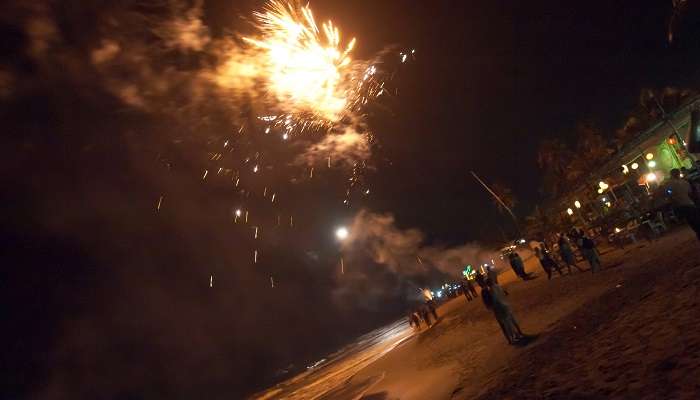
(631, 331)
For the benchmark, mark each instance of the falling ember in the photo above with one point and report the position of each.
(291, 221)
(285, 136)
(237, 181)
(273, 197)
(311, 173)
(211, 280)
(272, 282)
(255, 257)
(246, 217)
(205, 174)
(342, 266)
(265, 191)
(256, 233)
(160, 201)
(329, 161)
(255, 168)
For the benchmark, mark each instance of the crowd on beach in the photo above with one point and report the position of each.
(556, 256)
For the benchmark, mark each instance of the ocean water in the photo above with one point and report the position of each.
(328, 378)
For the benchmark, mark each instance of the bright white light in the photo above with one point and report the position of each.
(570, 211)
(618, 230)
(609, 204)
(649, 156)
(604, 199)
(238, 212)
(652, 164)
(439, 293)
(341, 233)
(635, 165)
(285, 136)
(625, 170)
(651, 177)
(577, 204)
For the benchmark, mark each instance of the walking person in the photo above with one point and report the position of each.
(567, 253)
(679, 192)
(494, 299)
(590, 253)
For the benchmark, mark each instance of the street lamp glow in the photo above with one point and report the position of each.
(651, 177)
(649, 156)
(570, 211)
(651, 164)
(577, 204)
(341, 233)
(635, 165)
(625, 170)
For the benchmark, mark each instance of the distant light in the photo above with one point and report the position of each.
(342, 233)
(285, 136)
(577, 204)
(238, 212)
(635, 165)
(651, 177)
(439, 293)
(649, 156)
(604, 199)
(625, 170)
(600, 191)
(609, 204)
(652, 164)
(618, 230)
(570, 211)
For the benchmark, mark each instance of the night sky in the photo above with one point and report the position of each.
(104, 297)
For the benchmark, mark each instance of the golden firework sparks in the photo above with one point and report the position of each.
(304, 65)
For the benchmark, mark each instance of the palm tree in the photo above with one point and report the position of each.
(553, 158)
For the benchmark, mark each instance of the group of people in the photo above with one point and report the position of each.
(566, 243)
(427, 313)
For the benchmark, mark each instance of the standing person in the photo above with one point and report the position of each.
(492, 276)
(679, 192)
(471, 288)
(567, 253)
(465, 291)
(431, 307)
(590, 253)
(468, 289)
(425, 315)
(494, 299)
(517, 264)
(545, 266)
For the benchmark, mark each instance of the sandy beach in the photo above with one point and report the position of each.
(629, 331)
